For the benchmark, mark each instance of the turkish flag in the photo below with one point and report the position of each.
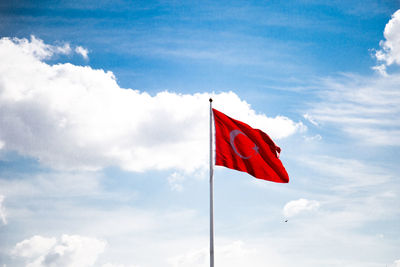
(242, 148)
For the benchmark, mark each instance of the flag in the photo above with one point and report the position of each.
(240, 147)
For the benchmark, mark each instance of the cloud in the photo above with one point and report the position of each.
(51, 184)
(295, 207)
(74, 117)
(175, 181)
(69, 250)
(117, 265)
(316, 137)
(35, 47)
(2, 210)
(381, 69)
(233, 254)
(346, 174)
(34, 247)
(82, 51)
(390, 47)
(310, 119)
(38, 49)
(366, 108)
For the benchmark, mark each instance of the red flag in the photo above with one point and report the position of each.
(242, 148)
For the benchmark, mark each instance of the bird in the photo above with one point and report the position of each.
(286, 220)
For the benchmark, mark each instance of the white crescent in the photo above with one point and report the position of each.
(233, 135)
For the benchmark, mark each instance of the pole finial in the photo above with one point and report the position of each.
(211, 100)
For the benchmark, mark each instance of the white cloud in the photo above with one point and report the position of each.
(118, 265)
(310, 119)
(68, 251)
(2, 210)
(381, 69)
(295, 207)
(316, 137)
(390, 47)
(233, 254)
(397, 263)
(175, 181)
(73, 117)
(51, 184)
(82, 51)
(34, 247)
(35, 47)
(346, 174)
(366, 108)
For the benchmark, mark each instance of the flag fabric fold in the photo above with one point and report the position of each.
(243, 148)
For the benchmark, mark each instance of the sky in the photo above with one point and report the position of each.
(104, 132)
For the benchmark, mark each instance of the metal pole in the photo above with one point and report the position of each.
(211, 193)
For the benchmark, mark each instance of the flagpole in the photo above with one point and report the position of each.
(211, 194)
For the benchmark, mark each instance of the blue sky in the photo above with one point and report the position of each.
(104, 132)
